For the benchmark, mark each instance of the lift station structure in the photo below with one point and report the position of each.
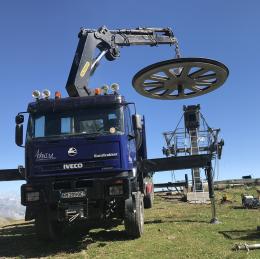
(195, 137)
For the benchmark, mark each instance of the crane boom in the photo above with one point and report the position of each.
(108, 42)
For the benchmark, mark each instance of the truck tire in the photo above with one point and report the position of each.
(134, 216)
(47, 229)
(148, 200)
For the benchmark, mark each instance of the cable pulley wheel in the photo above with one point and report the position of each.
(180, 78)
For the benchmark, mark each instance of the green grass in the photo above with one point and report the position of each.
(173, 229)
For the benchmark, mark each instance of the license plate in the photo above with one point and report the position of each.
(71, 195)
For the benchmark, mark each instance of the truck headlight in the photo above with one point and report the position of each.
(32, 196)
(115, 190)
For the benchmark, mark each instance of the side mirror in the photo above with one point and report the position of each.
(19, 119)
(19, 134)
(137, 121)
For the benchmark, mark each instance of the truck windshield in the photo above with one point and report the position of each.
(91, 121)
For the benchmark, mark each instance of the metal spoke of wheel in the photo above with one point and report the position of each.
(207, 77)
(180, 78)
(195, 88)
(198, 73)
(159, 78)
(168, 91)
(203, 83)
(152, 84)
(170, 74)
(155, 90)
(185, 70)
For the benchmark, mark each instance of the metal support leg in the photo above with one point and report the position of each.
(214, 219)
(186, 181)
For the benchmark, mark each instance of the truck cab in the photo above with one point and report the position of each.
(81, 163)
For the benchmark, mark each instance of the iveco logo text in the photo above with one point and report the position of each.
(72, 151)
(72, 166)
(105, 155)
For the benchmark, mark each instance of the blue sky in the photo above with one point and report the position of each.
(39, 38)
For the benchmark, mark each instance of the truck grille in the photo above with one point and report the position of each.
(59, 166)
(72, 184)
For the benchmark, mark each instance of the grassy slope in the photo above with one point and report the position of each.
(172, 230)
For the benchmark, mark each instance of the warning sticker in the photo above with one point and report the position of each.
(84, 69)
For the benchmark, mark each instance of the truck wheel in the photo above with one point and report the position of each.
(47, 229)
(148, 200)
(134, 215)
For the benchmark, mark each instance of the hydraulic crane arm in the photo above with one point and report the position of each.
(108, 43)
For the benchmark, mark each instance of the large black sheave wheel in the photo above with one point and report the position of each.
(180, 78)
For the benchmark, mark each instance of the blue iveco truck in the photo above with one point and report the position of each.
(81, 158)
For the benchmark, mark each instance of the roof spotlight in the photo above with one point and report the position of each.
(105, 89)
(57, 95)
(36, 94)
(115, 87)
(97, 91)
(46, 94)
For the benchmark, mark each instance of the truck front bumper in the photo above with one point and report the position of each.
(52, 191)
(88, 197)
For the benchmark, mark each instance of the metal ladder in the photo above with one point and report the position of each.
(194, 150)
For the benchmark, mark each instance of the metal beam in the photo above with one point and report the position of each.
(12, 174)
(174, 163)
(255, 181)
(170, 184)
